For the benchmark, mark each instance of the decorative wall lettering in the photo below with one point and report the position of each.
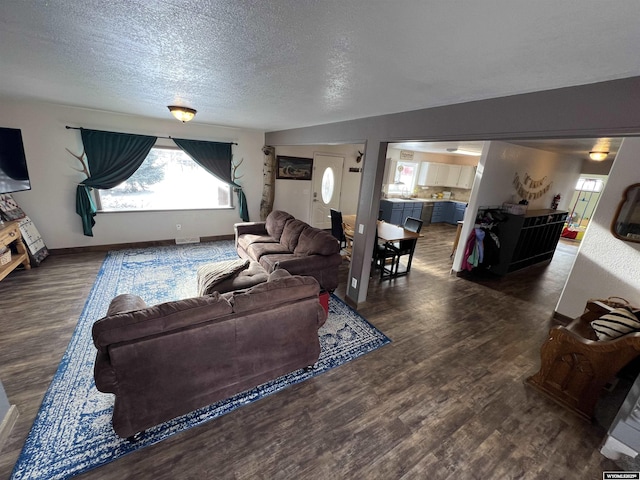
(530, 189)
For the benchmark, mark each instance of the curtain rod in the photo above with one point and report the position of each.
(157, 136)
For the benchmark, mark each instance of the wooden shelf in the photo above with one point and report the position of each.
(11, 237)
(528, 239)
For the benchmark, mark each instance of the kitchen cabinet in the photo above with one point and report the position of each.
(442, 212)
(459, 210)
(445, 175)
(433, 174)
(453, 175)
(467, 176)
(396, 211)
(448, 212)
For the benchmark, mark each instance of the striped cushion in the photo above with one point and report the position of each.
(616, 323)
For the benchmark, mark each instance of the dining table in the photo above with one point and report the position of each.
(387, 232)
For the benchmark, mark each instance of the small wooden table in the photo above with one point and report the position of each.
(10, 234)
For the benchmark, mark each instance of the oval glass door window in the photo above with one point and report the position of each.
(328, 184)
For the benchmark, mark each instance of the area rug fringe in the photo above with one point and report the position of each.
(72, 431)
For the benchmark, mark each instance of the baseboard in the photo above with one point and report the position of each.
(7, 424)
(562, 319)
(122, 246)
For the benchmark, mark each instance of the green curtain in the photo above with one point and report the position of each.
(215, 157)
(111, 158)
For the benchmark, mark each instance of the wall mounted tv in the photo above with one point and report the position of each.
(14, 176)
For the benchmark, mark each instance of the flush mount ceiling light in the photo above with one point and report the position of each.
(183, 114)
(462, 151)
(598, 156)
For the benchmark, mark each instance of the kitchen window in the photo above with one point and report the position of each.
(404, 179)
(168, 179)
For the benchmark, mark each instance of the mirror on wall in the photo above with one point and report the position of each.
(626, 222)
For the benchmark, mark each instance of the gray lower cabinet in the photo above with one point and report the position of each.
(448, 212)
(458, 214)
(397, 211)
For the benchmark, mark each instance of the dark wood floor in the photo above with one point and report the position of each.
(445, 400)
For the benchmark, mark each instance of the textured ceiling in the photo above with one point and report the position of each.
(280, 64)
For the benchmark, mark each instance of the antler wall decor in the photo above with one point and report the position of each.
(84, 170)
(234, 168)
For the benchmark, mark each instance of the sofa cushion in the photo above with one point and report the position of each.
(275, 223)
(276, 292)
(244, 241)
(291, 233)
(314, 241)
(158, 319)
(257, 250)
(269, 262)
(616, 323)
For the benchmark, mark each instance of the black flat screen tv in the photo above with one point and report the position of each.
(14, 176)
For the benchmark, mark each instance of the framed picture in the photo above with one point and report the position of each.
(294, 168)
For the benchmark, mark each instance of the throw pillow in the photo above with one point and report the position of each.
(9, 209)
(616, 323)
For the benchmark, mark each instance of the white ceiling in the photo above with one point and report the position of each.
(280, 64)
(570, 148)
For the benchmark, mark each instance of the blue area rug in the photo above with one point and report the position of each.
(72, 432)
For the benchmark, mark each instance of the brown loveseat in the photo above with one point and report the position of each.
(284, 242)
(170, 359)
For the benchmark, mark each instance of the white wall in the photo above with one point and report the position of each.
(294, 196)
(497, 167)
(51, 201)
(606, 266)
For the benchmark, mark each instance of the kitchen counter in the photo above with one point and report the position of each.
(424, 200)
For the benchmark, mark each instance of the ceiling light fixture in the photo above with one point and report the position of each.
(462, 151)
(598, 156)
(183, 114)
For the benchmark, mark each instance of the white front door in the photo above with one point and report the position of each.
(325, 189)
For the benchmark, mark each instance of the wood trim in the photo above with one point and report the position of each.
(7, 424)
(122, 246)
(560, 318)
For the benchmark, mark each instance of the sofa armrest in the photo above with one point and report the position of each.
(255, 228)
(126, 302)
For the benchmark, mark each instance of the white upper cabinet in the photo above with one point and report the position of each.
(467, 176)
(453, 174)
(433, 174)
(445, 175)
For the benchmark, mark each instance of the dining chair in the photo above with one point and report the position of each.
(337, 227)
(405, 247)
(348, 232)
(383, 259)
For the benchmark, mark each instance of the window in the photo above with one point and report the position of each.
(168, 179)
(328, 184)
(589, 185)
(404, 178)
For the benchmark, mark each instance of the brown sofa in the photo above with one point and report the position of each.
(284, 242)
(170, 359)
